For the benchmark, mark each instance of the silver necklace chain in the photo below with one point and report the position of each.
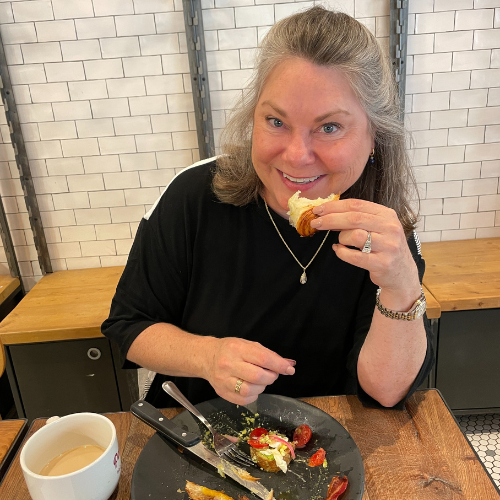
(303, 278)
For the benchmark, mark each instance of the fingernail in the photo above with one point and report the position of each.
(318, 210)
(290, 370)
(316, 223)
(292, 362)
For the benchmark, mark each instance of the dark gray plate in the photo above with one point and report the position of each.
(161, 470)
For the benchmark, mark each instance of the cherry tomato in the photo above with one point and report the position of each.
(257, 432)
(337, 486)
(318, 458)
(254, 443)
(302, 435)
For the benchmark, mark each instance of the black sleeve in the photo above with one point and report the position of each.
(363, 323)
(153, 285)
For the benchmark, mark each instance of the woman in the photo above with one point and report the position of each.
(213, 295)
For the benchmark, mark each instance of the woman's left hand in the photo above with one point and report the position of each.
(390, 262)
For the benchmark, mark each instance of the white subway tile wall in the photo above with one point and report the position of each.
(104, 98)
(462, 132)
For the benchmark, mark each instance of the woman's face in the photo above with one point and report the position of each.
(310, 133)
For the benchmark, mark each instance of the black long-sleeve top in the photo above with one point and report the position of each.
(215, 269)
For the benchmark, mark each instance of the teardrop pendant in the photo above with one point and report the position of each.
(303, 278)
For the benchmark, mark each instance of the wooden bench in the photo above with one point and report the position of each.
(464, 278)
(57, 360)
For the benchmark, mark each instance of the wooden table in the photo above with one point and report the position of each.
(11, 433)
(464, 274)
(416, 454)
(57, 325)
(63, 305)
(464, 278)
(433, 306)
(11, 293)
(8, 287)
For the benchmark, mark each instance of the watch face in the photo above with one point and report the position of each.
(421, 308)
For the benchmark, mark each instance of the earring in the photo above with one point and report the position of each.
(371, 159)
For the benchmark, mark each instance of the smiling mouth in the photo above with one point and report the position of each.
(301, 180)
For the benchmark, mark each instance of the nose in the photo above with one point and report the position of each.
(299, 151)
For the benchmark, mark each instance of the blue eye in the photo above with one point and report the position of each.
(329, 128)
(277, 123)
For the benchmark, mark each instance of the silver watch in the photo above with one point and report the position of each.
(416, 311)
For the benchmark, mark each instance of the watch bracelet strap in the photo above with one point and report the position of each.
(407, 316)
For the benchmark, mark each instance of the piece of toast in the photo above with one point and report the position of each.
(301, 212)
(266, 461)
(197, 492)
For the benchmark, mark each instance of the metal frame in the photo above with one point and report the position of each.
(24, 171)
(8, 245)
(398, 38)
(193, 21)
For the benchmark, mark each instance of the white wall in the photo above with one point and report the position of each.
(103, 92)
(453, 106)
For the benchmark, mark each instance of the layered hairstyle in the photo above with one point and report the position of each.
(336, 40)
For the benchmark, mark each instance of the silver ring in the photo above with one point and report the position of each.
(367, 248)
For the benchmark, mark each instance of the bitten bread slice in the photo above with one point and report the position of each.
(301, 212)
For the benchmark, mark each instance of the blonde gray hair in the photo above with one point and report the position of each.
(331, 39)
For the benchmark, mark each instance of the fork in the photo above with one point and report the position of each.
(223, 446)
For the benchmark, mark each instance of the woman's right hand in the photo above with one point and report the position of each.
(231, 359)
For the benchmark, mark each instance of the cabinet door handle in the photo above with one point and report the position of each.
(93, 353)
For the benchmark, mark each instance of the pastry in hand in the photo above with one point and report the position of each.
(301, 212)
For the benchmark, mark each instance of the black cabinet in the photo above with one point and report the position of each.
(468, 360)
(58, 378)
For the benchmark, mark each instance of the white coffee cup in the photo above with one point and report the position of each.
(96, 481)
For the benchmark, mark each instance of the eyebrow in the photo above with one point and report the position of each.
(318, 119)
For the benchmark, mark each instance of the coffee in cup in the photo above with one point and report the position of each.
(72, 460)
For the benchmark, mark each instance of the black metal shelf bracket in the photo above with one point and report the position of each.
(398, 39)
(24, 174)
(193, 21)
(8, 245)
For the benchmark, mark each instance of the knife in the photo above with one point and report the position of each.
(192, 442)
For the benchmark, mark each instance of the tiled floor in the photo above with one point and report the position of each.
(483, 431)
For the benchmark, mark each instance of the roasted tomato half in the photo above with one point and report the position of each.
(337, 486)
(257, 432)
(318, 458)
(254, 439)
(302, 435)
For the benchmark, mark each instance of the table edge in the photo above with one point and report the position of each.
(11, 454)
